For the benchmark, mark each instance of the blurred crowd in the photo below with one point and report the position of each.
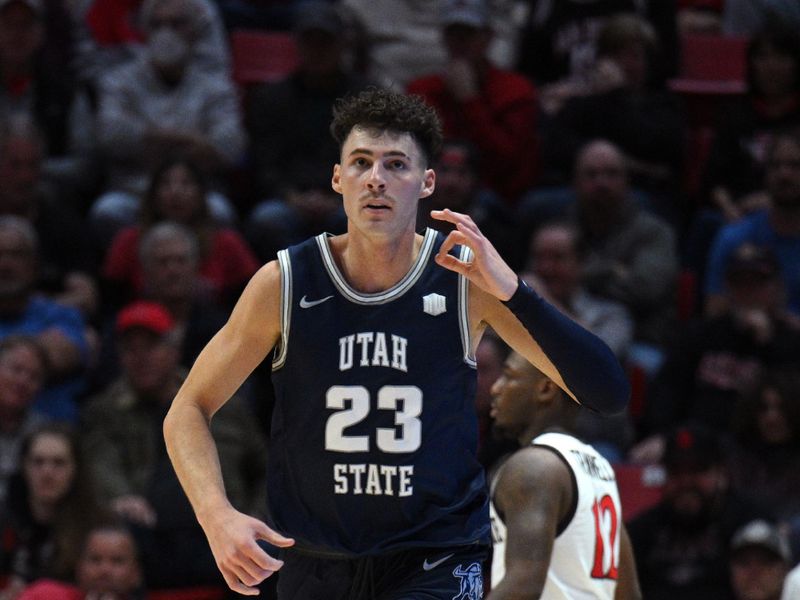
(155, 153)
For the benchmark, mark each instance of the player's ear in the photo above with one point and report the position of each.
(428, 183)
(336, 182)
(547, 389)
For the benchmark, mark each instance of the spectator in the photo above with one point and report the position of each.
(777, 226)
(717, 359)
(162, 102)
(760, 561)
(555, 256)
(766, 429)
(630, 254)
(744, 17)
(397, 41)
(178, 193)
(556, 260)
(292, 148)
(123, 425)
(111, 33)
(682, 543)
(58, 328)
(495, 109)
(170, 257)
(458, 188)
(30, 85)
(66, 255)
(49, 508)
(626, 103)
(558, 41)
(23, 369)
(109, 568)
(747, 126)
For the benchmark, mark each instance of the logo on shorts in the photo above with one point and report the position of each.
(471, 582)
(427, 566)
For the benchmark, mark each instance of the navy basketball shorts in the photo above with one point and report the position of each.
(416, 574)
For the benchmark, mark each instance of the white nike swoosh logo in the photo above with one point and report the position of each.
(309, 303)
(427, 566)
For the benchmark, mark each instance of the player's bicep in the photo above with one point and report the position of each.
(239, 346)
(531, 496)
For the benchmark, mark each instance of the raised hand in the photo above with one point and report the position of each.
(487, 269)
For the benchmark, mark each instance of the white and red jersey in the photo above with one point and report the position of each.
(585, 556)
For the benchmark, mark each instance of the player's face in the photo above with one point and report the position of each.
(511, 396)
(381, 178)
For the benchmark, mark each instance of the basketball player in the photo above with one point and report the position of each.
(374, 487)
(556, 516)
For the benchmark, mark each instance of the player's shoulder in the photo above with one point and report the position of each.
(534, 466)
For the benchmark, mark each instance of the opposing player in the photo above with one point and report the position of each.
(556, 517)
(374, 487)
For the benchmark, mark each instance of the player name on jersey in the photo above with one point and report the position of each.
(593, 468)
(373, 349)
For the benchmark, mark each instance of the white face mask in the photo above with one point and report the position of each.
(167, 48)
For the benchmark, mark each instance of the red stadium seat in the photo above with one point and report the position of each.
(260, 56)
(640, 487)
(189, 593)
(711, 64)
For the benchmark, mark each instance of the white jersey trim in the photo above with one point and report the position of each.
(395, 291)
(463, 311)
(285, 265)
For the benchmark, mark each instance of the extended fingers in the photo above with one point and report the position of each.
(247, 567)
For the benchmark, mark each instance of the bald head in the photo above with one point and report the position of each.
(601, 178)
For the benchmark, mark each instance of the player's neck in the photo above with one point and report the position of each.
(534, 431)
(371, 265)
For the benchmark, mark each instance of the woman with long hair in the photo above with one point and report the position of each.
(178, 193)
(49, 508)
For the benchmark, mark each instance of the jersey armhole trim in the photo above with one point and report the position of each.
(281, 347)
(463, 311)
(564, 523)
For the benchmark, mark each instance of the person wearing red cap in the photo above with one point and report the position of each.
(121, 426)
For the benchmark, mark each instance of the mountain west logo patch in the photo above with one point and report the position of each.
(434, 304)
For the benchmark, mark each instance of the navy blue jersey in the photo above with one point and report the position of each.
(374, 432)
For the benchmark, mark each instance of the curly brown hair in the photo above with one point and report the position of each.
(386, 110)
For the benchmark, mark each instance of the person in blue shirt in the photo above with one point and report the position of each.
(776, 227)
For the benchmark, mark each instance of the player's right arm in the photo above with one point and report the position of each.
(250, 333)
(533, 494)
(628, 579)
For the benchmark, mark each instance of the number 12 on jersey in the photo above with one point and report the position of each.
(606, 560)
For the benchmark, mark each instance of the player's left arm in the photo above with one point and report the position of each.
(533, 493)
(628, 580)
(574, 358)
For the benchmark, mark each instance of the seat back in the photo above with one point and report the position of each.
(260, 56)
